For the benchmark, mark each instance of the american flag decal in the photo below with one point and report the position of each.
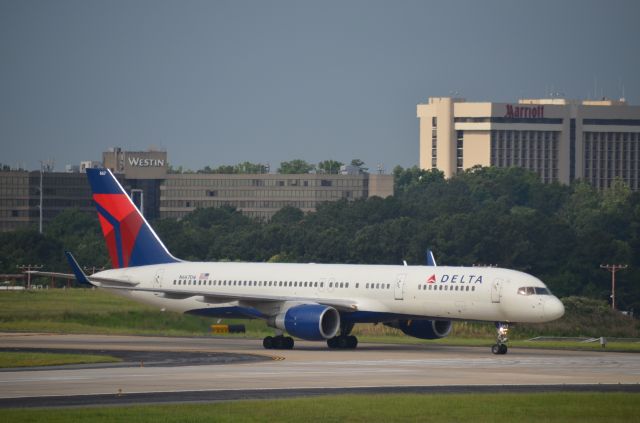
(204, 276)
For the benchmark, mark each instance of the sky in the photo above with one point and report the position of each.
(222, 82)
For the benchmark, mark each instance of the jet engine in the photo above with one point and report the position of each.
(313, 322)
(423, 329)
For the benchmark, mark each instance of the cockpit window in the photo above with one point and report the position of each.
(533, 290)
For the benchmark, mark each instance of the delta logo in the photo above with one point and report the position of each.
(455, 278)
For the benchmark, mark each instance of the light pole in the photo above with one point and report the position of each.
(613, 268)
(40, 207)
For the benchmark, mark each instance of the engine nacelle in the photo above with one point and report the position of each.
(423, 329)
(313, 322)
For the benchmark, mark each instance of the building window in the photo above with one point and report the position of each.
(459, 151)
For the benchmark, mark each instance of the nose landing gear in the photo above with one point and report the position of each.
(500, 347)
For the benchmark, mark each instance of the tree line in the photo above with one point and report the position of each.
(296, 166)
(483, 216)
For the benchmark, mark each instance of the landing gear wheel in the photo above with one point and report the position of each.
(343, 342)
(267, 342)
(278, 342)
(288, 343)
(353, 341)
(500, 347)
(332, 342)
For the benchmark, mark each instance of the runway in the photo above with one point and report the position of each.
(310, 367)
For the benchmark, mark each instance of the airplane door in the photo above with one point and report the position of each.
(496, 289)
(399, 286)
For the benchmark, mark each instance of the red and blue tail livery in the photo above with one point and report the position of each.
(130, 240)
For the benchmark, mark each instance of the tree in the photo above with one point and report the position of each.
(330, 166)
(244, 168)
(248, 167)
(295, 166)
(360, 165)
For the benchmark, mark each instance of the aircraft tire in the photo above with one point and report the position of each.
(503, 349)
(288, 343)
(267, 342)
(352, 341)
(495, 349)
(343, 342)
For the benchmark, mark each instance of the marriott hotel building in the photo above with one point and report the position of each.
(561, 140)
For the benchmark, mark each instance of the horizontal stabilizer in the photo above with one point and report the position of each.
(81, 277)
(431, 260)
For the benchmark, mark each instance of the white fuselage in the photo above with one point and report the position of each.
(377, 292)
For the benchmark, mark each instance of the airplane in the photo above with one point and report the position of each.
(315, 302)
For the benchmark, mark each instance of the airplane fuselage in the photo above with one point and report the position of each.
(378, 292)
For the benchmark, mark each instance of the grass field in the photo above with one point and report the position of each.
(521, 408)
(29, 359)
(100, 312)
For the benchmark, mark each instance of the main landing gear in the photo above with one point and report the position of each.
(500, 347)
(279, 342)
(344, 340)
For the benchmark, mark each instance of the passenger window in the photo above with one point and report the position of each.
(473, 288)
(346, 285)
(315, 284)
(357, 285)
(330, 284)
(367, 285)
(377, 286)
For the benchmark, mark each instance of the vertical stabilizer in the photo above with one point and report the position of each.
(130, 240)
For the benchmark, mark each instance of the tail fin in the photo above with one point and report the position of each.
(130, 239)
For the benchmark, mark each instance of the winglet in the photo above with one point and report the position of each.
(81, 277)
(431, 260)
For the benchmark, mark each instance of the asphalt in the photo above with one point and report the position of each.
(137, 358)
(176, 370)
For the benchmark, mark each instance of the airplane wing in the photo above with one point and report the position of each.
(118, 283)
(208, 296)
(217, 297)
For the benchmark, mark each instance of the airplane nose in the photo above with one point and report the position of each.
(553, 309)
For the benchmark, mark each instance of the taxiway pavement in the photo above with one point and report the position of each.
(310, 366)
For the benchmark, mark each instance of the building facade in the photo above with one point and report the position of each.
(262, 195)
(20, 197)
(146, 176)
(559, 139)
